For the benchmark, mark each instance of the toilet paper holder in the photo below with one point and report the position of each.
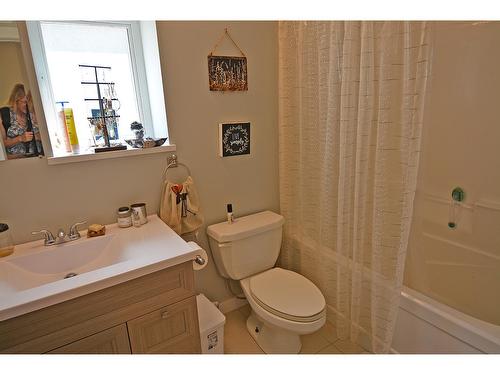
(199, 260)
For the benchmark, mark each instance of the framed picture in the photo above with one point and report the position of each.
(227, 73)
(234, 139)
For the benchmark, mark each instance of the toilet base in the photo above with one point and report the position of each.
(272, 339)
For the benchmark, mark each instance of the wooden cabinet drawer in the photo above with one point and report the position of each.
(54, 326)
(173, 329)
(111, 341)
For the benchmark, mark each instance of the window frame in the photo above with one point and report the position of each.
(145, 71)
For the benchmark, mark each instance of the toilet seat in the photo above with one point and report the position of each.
(288, 295)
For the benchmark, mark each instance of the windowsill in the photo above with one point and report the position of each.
(53, 160)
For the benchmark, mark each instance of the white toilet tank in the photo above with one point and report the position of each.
(251, 244)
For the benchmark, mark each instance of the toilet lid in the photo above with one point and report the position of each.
(288, 294)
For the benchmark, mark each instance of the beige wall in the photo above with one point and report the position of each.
(250, 182)
(461, 143)
(12, 69)
(35, 195)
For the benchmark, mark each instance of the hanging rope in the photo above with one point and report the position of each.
(226, 34)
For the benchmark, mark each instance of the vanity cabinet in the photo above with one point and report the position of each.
(111, 341)
(168, 330)
(154, 313)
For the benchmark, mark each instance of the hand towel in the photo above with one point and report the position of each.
(180, 206)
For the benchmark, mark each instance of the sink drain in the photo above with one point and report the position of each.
(71, 274)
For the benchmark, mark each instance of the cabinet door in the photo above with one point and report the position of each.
(173, 329)
(110, 341)
(57, 325)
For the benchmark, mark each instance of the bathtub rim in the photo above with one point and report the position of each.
(481, 335)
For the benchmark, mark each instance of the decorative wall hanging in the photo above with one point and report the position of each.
(234, 139)
(227, 73)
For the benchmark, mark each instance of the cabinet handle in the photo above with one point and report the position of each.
(164, 315)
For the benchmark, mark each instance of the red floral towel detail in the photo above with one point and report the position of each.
(177, 188)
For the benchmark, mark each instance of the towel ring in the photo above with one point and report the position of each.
(173, 163)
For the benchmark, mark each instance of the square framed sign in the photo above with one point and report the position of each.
(227, 73)
(234, 139)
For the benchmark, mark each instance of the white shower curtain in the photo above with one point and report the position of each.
(350, 120)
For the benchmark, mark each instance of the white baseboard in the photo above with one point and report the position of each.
(231, 304)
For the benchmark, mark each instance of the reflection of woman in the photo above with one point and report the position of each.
(20, 134)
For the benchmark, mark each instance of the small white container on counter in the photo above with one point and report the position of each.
(124, 217)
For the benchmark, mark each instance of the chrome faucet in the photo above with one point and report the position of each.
(73, 230)
(49, 237)
(62, 237)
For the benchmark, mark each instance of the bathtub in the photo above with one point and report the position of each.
(426, 326)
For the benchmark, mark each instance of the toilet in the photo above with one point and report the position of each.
(285, 304)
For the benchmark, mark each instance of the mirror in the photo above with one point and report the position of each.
(20, 135)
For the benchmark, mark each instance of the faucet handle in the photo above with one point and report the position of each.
(73, 231)
(49, 238)
(61, 234)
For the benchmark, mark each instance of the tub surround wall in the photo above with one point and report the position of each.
(35, 195)
(460, 267)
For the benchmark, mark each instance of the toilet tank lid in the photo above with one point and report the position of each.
(245, 226)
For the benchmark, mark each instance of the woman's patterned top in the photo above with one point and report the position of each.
(16, 130)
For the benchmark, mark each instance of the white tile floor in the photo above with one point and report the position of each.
(237, 340)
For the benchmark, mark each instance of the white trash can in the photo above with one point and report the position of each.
(211, 322)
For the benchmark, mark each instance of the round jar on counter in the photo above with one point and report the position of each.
(124, 217)
(6, 243)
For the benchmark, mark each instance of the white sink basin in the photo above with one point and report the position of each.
(33, 277)
(65, 257)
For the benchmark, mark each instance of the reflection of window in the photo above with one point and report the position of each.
(61, 48)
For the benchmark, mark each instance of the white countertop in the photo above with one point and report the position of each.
(33, 276)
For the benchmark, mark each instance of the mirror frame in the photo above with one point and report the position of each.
(33, 84)
(35, 91)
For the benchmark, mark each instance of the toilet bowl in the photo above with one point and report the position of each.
(285, 304)
(281, 313)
